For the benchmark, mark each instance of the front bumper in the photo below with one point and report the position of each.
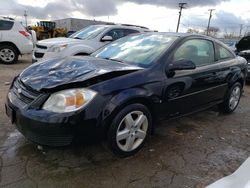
(45, 133)
(42, 54)
(54, 129)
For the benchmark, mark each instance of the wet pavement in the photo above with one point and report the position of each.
(193, 151)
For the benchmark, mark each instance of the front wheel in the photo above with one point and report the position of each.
(232, 98)
(129, 130)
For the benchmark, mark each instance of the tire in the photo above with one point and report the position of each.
(232, 98)
(132, 136)
(8, 54)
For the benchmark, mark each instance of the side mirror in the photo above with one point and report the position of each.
(107, 38)
(182, 64)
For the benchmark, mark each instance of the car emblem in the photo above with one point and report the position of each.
(19, 90)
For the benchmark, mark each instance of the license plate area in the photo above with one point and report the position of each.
(10, 113)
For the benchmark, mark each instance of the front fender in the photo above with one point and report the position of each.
(78, 49)
(126, 96)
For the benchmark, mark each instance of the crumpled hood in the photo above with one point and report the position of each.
(59, 41)
(56, 72)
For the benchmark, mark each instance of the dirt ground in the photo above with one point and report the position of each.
(193, 151)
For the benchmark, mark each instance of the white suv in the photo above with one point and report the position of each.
(14, 41)
(83, 42)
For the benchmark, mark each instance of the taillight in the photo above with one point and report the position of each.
(25, 33)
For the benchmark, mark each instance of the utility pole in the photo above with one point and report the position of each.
(241, 27)
(209, 20)
(182, 6)
(25, 16)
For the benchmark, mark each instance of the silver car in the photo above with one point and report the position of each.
(83, 42)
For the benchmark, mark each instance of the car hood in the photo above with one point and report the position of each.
(57, 72)
(59, 41)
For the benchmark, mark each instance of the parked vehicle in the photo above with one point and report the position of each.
(123, 87)
(14, 41)
(48, 29)
(83, 42)
(239, 178)
(243, 50)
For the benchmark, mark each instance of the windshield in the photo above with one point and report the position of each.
(88, 32)
(140, 50)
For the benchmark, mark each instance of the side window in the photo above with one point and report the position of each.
(223, 53)
(5, 25)
(130, 31)
(116, 33)
(199, 51)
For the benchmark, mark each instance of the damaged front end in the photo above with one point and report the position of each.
(49, 101)
(72, 72)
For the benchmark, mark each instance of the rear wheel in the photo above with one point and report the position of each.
(8, 54)
(232, 98)
(129, 130)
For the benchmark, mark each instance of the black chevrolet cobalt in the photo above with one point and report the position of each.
(120, 90)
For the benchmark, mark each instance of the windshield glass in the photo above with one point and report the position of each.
(88, 32)
(140, 50)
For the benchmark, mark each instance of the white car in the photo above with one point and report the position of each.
(239, 179)
(83, 42)
(14, 41)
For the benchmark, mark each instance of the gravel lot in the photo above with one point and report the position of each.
(193, 151)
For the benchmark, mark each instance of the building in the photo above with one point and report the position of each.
(75, 24)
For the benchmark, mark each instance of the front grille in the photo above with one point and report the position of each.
(38, 55)
(42, 47)
(24, 94)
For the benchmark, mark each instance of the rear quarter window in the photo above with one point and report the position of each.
(6, 25)
(223, 53)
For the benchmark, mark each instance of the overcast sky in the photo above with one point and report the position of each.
(161, 15)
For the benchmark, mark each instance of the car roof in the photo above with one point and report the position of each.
(177, 34)
(141, 28)
(7, 19)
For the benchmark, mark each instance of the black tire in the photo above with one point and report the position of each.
(117, 123)
(226, 106)
(8, 54)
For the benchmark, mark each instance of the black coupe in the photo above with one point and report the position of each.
(120, 90)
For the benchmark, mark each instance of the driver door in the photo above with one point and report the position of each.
(189, 90)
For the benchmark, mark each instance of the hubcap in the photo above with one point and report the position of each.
(234, 98)
(7, 55)
(132, 131)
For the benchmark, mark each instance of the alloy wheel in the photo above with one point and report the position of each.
(234, 97)
(7, 55)
(132, 131)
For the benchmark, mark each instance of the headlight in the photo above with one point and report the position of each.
(69, 100)
(57, 48)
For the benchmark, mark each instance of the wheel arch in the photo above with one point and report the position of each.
(79, 50)
(10, 44)
(112, 108)
(237, 76)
